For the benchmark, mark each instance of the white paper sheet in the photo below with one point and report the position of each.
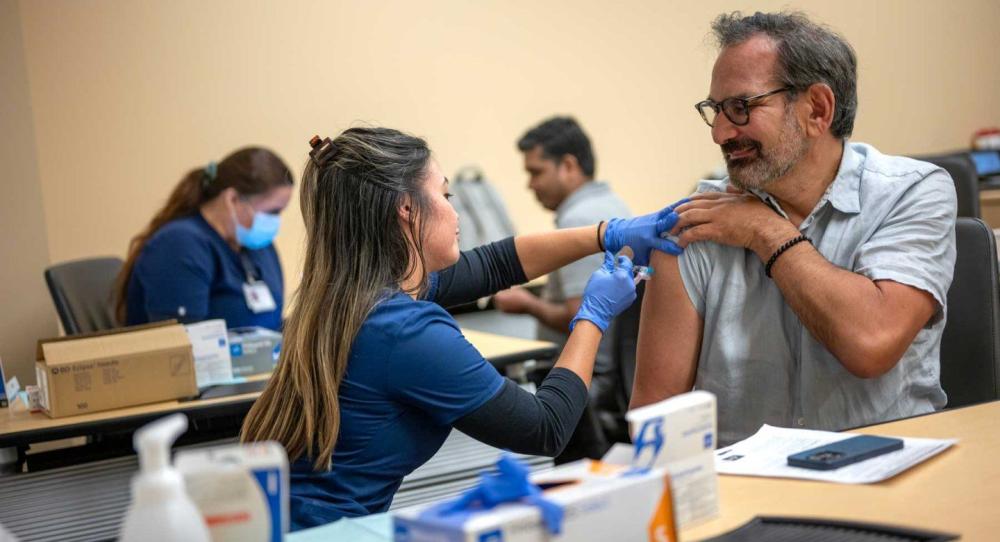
(766, 454)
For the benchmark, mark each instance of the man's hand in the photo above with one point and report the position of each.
(514, 301)
(734, 219)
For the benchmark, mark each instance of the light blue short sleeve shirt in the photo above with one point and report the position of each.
(884, 217)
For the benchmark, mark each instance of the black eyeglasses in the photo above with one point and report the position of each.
(737, 110)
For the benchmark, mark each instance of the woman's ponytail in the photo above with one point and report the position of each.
(187, 196)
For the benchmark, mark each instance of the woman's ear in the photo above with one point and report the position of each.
(230, 196)
(406, 210)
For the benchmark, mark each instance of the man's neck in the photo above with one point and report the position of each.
(801, 188)
(574, 186)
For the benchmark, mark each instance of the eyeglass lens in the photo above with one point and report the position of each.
(735, 110)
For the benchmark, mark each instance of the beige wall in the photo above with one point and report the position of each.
(25, 310)
(126, 95)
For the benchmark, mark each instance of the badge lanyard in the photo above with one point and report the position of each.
(258, 295)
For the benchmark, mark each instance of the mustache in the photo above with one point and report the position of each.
(734, 145)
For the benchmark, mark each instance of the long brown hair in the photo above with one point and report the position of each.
(356, 251)
(251, 171)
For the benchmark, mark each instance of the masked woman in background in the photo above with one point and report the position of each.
(374, 373)
(208, 252)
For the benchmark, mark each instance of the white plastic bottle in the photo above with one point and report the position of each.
(161, 510)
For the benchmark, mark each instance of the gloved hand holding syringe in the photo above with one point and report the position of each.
(644, 272)
(639, 272)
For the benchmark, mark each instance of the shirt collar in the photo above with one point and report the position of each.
(586, 190)
(845, 192)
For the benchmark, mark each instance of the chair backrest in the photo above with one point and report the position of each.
(625, 338)
(82, 293)
(970, 347)
(963, 172)
(482, 215)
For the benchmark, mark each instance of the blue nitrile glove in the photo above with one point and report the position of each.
(610, 290)
(642, 233)
(509, 483)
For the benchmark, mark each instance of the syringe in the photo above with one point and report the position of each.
(639, 272)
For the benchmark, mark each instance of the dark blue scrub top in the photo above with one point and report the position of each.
(410, 375)
(189, 272)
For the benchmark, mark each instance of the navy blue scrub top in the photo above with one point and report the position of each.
(189, 272)
(410, 375)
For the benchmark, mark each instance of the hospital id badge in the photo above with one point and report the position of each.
(259, 298)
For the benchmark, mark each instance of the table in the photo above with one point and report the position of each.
(957, 491)
(20, 428)
(523, 326)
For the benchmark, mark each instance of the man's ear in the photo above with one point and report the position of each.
(569, 164)
(821, 106)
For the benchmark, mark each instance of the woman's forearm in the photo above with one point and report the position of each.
(542, 253)
(581, 349)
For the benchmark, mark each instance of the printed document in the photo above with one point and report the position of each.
(766, 454)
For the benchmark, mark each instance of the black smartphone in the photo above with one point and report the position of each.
(844, 452)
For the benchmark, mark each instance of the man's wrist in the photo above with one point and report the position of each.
(766, 242)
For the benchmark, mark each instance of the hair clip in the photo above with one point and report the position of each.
(321, 149)
(209, 174)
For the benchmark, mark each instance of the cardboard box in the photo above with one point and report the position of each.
(600, 502)
(130, 366)
(241, 490)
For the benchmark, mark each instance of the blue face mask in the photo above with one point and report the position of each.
(261, 233)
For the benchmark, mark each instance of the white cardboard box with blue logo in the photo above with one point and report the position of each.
(254, 350)
(665, 482)
(581, 501)
(240, 489)
(680, 435)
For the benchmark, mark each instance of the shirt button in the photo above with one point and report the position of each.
(801, 421)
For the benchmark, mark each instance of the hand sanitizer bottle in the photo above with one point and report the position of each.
(161, 510)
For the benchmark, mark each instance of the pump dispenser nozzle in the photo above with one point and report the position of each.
(153, 442)
(161, 510)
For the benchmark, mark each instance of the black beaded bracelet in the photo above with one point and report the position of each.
(781, 250)
(600, 242)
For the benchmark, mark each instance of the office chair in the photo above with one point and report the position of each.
(624, 337)
(625, 340)
(482, 213)
(970, 347)
(963, 172)
(82, 293)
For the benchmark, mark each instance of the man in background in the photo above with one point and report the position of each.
(560, 164)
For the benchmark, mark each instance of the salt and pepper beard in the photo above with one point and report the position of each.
(767, 166)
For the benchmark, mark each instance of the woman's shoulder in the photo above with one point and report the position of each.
(400, 316)
(183, 233)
